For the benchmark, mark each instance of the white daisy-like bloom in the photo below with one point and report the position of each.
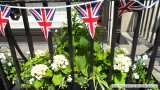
(2, 56)
(145, 56)
(134, 67)
(135, 58)
(59, 61)
(136, 76)
(38, 71)
(9, 64)
(28, 52)
(31, 80)
(3, 61)
(39, 53)
(69, 79)
(122, 63)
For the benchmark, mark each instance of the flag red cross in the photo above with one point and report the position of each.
(3, 21)
(90, 20)
(127, 7)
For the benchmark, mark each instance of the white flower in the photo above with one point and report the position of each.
(134, 67)
(9, 54)
(145, 56)
(2, 56)
(38, 71)
(28, 52)
(31, 80)
(56, 30)
(9, 64)
(54, 66)
(3, 61)
(12, 82)
(138, 57)
(59, 62)
(143, 64)
(64, 66)
(135, 58)
(69, 79)
(39, 53)
(122, 63)
(136, 76)
(49, 61)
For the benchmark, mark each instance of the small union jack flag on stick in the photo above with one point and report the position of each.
(44, 17)
(4, 16)
(89, 13)
(129, 6)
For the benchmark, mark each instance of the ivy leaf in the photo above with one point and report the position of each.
(80, 61)
(49, 73)
(83, 42)
(57, 79)
(67, 70)
(38, 83)
(97, 47)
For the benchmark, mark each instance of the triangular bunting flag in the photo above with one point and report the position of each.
(44, 17)
(4, 16)
(129, 6)
(89, 13)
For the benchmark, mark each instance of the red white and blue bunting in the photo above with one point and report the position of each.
(88, 11)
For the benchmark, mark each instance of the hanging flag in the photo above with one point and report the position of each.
(44, 17)
(4, 16)
(89, 13)
(129, 6)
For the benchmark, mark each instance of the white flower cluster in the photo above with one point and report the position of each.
(134, 67)
(136, 76)
(3, 59)
(59, 61)
(38, 71)
(122, 63)
(39, 53)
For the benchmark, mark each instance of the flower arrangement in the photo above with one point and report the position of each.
(41, 72)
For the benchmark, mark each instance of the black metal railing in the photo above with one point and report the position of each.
(13, 44)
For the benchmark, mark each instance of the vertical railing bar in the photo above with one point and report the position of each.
(106, 16)
(134, 44)
(144, 11)
(113, 40)
(3, 77)
(151, 17)
(110, 13)
(145, 25)
(69, 21)
(91, 63)
(154, 53)
(154, 26)
(27, 30)
(10, 40)
(50, 43)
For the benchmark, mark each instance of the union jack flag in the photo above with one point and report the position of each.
(44, 18)
(129, 6)
(4, 16)
(89, 13)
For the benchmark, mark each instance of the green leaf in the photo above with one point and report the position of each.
(38, 83)
(28, 63)
(97, 47)
(49, 73)
(67, 70)
(57, 79)
(83, 42)
(85, 71)
(100, 56)
(51, 88)
(120, 78)
(80, 61)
